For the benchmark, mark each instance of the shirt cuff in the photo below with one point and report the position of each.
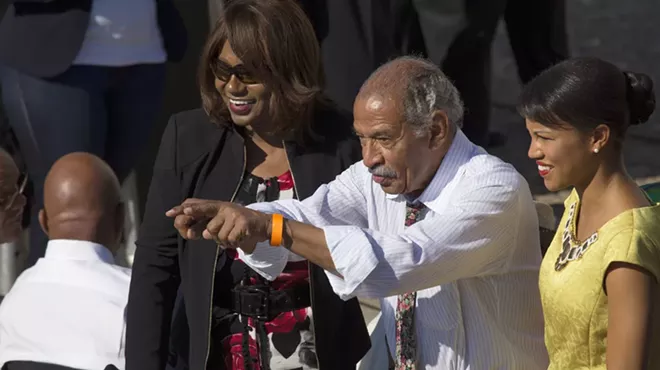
(353, 255)
(266, 260)
(263, 207)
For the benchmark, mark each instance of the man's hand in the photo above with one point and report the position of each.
(189, 227)
(230, 225)
(234, 226)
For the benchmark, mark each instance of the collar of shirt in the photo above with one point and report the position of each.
(67, 249)
(460, 151)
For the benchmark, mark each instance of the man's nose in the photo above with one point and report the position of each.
(371, 156)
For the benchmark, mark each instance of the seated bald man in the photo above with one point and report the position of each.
(68, 309)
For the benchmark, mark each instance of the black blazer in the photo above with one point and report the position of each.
(202, 160)
(43, 37)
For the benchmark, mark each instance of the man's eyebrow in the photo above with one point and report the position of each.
(379, 131)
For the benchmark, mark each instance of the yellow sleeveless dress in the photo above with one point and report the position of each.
(572, 277)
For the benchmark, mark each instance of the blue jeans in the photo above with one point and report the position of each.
(107, 111)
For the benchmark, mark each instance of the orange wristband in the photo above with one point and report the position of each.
(276, 230)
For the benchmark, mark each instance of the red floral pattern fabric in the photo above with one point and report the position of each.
(290, 337)
(287, 324)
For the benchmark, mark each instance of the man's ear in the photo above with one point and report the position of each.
(43, 221)
(440, 127)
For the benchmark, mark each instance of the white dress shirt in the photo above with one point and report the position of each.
(122, 33)
(68, 309)
(474, 258)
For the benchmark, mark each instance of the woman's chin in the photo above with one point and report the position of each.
(242, 120)
(553, 186)
(239, 120)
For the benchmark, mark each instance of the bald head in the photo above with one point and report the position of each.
(392, 77)
(82, 200)
(418, 86)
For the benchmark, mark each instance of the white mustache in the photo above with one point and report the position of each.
(382, 171)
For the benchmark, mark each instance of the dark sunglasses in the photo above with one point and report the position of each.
(223, 72)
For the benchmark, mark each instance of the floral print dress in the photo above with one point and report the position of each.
(283, 343)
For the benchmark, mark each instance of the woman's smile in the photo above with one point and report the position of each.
(241, 107)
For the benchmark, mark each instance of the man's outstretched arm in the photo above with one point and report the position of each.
(341, 202)
(474, 236)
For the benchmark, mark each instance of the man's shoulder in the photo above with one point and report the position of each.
(490, 170)
(119, 276)
(72, 275)
(25, 277)
(17, 287)
(122, 272)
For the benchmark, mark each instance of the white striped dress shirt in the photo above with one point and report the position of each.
(474, 259)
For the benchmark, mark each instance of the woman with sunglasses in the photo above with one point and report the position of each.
(265, 133)
(599, 278)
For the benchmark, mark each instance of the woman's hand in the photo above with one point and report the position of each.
(228, 224)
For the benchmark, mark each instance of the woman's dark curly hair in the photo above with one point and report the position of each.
(276, 42)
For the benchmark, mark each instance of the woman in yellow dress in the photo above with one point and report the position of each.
(599, 278)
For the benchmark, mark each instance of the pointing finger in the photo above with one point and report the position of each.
(202, 210)
(175, 211)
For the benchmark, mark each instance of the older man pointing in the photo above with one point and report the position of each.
(443, 233)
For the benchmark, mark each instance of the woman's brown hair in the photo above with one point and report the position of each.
(276, 41)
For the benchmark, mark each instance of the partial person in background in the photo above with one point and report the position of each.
(14, 252)
(599, 278)
(68, 309)
(84, 75)
(266, 132)
(12, 200)
(358, 36)
(459, 38)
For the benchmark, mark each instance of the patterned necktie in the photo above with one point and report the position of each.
(406, 341)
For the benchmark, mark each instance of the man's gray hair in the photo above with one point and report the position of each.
(423, 87)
